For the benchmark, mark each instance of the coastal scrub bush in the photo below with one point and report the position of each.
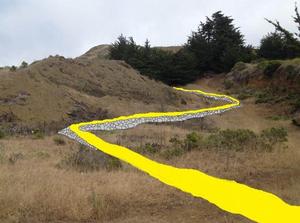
(238, 140)
(271, 137)
(86, 159)
(271, 67)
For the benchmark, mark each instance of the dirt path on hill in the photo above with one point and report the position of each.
(34, 189)
(276, 172)
(274, 177)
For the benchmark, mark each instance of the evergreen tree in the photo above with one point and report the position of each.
(123, 48)
(217, 44)
(184, 65)
(24, 64)
(282, 44)
(170, 68)
(273, 46)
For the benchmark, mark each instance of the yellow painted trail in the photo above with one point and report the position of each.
(230, 196)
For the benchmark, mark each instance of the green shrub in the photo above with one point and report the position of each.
(2, 134)
(291, 71)
(244, 139)
(149, 148)
(271, 67)
(239, 66)
(13, 68)
(274, 136)
(237, 140)
(37, 134)
(265, 96)
(176, 142)
(245, 93)
(173, 152)
(192, 141)
(24, 64)
(87, 159)
(59, 141)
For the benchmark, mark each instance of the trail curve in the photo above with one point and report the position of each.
(233, 197)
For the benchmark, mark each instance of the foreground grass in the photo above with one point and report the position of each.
(34, 189)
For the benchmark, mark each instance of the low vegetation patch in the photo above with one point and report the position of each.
(2, 134)
(234, 140)
(273, 136)
(86, 159)
(192, 141)
(13, 68)
(15, 157)
(278, 117)
(245, 93)
(267, 95)
(238, 140)
(149, 148)
(239, 66)
(296, 104)
(59, 141)
(172, 152)
(269, 67)
(276, 95)
(38, 134)
(42, 155)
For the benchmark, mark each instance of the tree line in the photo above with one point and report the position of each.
(216, 46)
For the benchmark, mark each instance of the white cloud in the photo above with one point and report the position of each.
(34, 29)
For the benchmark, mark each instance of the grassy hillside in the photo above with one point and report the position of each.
(53, 179)
(55, 92)
(275, 82)
(49, 178)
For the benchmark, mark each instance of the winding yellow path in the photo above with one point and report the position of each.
(230, 196)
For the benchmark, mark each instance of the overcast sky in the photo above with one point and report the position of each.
(34, 29)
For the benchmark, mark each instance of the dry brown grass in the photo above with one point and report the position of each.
(33, 189)
(55, 92)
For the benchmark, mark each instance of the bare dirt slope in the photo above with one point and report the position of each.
(54, 92)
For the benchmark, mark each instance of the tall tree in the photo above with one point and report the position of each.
(170, 68)
(123, 48)
(282, 44)
(217, 44)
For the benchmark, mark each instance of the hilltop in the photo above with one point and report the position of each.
(102, 51)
